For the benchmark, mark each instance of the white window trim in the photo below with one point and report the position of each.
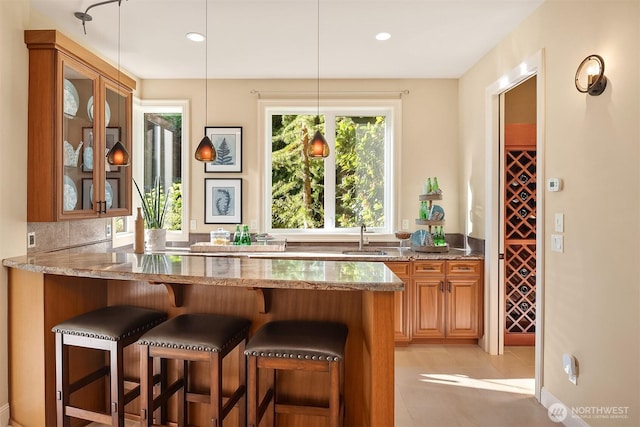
(364, 106)
(140, 107)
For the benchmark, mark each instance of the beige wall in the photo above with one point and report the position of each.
(13, 152)
(428, 147)
(593, 288)
(520, 103)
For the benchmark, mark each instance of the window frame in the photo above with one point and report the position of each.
(331, 108)
(140, 107)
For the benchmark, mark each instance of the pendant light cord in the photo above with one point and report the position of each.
(119, 8)
(318, 64)
(206, 60)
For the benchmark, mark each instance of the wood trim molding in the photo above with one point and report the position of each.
(48, 39)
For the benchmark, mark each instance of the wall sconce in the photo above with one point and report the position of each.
(590, 76)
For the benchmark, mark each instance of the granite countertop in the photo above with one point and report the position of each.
(239, 271)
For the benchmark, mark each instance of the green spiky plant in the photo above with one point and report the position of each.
(154, 205)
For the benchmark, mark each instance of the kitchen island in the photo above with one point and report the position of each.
(48, 288)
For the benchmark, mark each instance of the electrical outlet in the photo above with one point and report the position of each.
(253, 225)
(557, 243)
(108, 231)
(192, 224)
(31, 240)
(405, 224)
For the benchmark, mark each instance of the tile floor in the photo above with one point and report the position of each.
(455, 386)
(462, 386)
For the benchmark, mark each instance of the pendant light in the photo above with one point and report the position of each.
(206, 152)
(118, 154)
(318, 147)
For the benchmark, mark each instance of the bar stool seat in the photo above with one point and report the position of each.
(190, 338)
(108, 329)
(296, 345)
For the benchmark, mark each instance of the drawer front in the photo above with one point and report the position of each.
(422, 268)
(400, 269)
(464, 267)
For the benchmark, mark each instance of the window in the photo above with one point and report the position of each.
(352, 186)
(159, 153)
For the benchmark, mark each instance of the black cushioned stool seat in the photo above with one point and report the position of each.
(109, 329)
(194, 337)
(296, 345)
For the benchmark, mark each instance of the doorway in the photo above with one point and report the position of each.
(493, 341)
(519, 212)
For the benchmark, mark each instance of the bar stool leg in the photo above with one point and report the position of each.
(162, 413)
(62, 381)
(271, 415)
(334, 397)
(252, 392)
(242, 379)
(215, 385)
(117, 384)
(146, 387)
(183, 372)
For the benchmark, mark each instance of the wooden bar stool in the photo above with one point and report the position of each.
(109, 329)
(194, 337)
(296, 345)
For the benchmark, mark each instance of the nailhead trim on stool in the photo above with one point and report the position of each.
(109, 329)
(308, 345)
(194, 337)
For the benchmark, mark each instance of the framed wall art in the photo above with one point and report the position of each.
(227, 140)
(222, 201)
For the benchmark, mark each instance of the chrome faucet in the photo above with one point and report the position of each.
(363, 228)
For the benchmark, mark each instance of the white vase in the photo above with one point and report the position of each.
(155, 239)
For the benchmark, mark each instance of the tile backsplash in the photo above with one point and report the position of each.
(76, 236)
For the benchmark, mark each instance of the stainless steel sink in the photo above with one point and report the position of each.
(364, 252)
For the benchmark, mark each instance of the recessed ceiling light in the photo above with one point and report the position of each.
(195, 37)
(383, 36)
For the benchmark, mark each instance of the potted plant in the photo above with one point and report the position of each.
(154, 208)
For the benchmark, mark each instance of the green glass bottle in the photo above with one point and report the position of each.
(423, 210)
(237, 235)
(429, 188)
(247, 236)
(435, 187)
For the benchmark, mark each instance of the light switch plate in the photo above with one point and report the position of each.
(405, 224)
(557, 243)
(559, 223)
(192, 224)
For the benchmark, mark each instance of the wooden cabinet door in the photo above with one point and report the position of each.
(401, 300)
(76, 101)
(429, 307)
(462, 302)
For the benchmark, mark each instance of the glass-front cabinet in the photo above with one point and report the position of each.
(79, 107)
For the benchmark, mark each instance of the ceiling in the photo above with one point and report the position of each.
(250, 39)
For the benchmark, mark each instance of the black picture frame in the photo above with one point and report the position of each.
(227, 141)
(223, 201)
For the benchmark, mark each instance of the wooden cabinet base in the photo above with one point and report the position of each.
(442, 302)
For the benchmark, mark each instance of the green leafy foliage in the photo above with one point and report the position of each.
(154, 205)
(174, 215)
(298, 182)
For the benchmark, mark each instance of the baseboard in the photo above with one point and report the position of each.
(558, 411)
(4, 415)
